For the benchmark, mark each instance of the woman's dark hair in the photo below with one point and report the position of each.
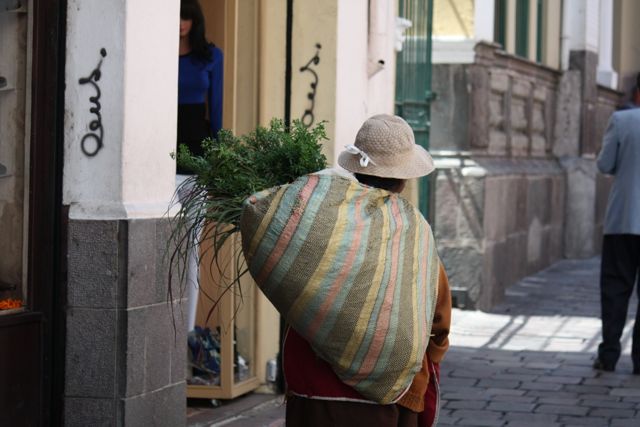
(393, 185)
(190, 10)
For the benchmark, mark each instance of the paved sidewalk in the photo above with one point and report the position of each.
(528, 361)
(252, 410)
(525, 363)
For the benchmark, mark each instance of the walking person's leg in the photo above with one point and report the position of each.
(617, 277)
(635, 346)
(192, 264)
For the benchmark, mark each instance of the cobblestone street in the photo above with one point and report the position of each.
(525, 363)
(528, 361)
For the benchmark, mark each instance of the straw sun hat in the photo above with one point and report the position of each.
(385, 147)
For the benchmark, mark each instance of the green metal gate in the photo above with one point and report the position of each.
(413, 79)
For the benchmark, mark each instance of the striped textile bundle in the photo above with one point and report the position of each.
(353, 269)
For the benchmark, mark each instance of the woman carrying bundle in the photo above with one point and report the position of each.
(353, 268)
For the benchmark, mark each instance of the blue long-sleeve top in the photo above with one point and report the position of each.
(200, 81)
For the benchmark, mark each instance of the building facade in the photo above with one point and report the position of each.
(524, 91)
(91, 334)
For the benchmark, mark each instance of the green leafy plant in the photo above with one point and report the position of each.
(231, 169)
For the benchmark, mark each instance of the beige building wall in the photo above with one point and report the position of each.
(626, 55)
(233, 25)
(350, 86)
(454, 19)
(552, 11)
(315, 24)
(272, 65)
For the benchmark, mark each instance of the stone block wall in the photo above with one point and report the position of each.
(125, 353)
(458, 226)
(516, 187)
(498, 220)
(513, 100)
(587, 108)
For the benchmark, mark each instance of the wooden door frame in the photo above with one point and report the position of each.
(46, 164)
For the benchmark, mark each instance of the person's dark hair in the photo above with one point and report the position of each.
(393, 185)
(190, 9)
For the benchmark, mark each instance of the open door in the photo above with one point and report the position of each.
(413, 79)
(30, 97)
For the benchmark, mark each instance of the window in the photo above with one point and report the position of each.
(522, 28)
(539, 16)
(519, 27)
(500, 23)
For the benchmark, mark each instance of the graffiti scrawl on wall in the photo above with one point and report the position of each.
(96, 131)
(307, 117)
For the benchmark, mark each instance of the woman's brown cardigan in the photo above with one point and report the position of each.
(438, 344)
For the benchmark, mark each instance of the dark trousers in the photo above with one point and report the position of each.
(303, 412)
(193, 127)
(618, 276)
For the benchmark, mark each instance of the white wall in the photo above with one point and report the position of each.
(351, 71)
(381, 85)
(132, 175)
(358, 95)
(580, 27)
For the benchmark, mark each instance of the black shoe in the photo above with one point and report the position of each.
(601, 366)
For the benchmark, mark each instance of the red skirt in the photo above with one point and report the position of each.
(317, 397)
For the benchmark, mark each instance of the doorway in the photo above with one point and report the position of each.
(31, 48)
(413, 80)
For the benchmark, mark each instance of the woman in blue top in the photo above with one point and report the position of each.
(199, 81)
(199, 88)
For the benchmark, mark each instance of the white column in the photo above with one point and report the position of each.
(580, 27)
(606, 74)
(133, 44)
(484, 17)
(510, 27)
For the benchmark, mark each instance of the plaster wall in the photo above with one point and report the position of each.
(351, 72)
(347, 91)
(363, 89)
(138, 89)
(315, 23)
(381, 81)
(626, 56)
